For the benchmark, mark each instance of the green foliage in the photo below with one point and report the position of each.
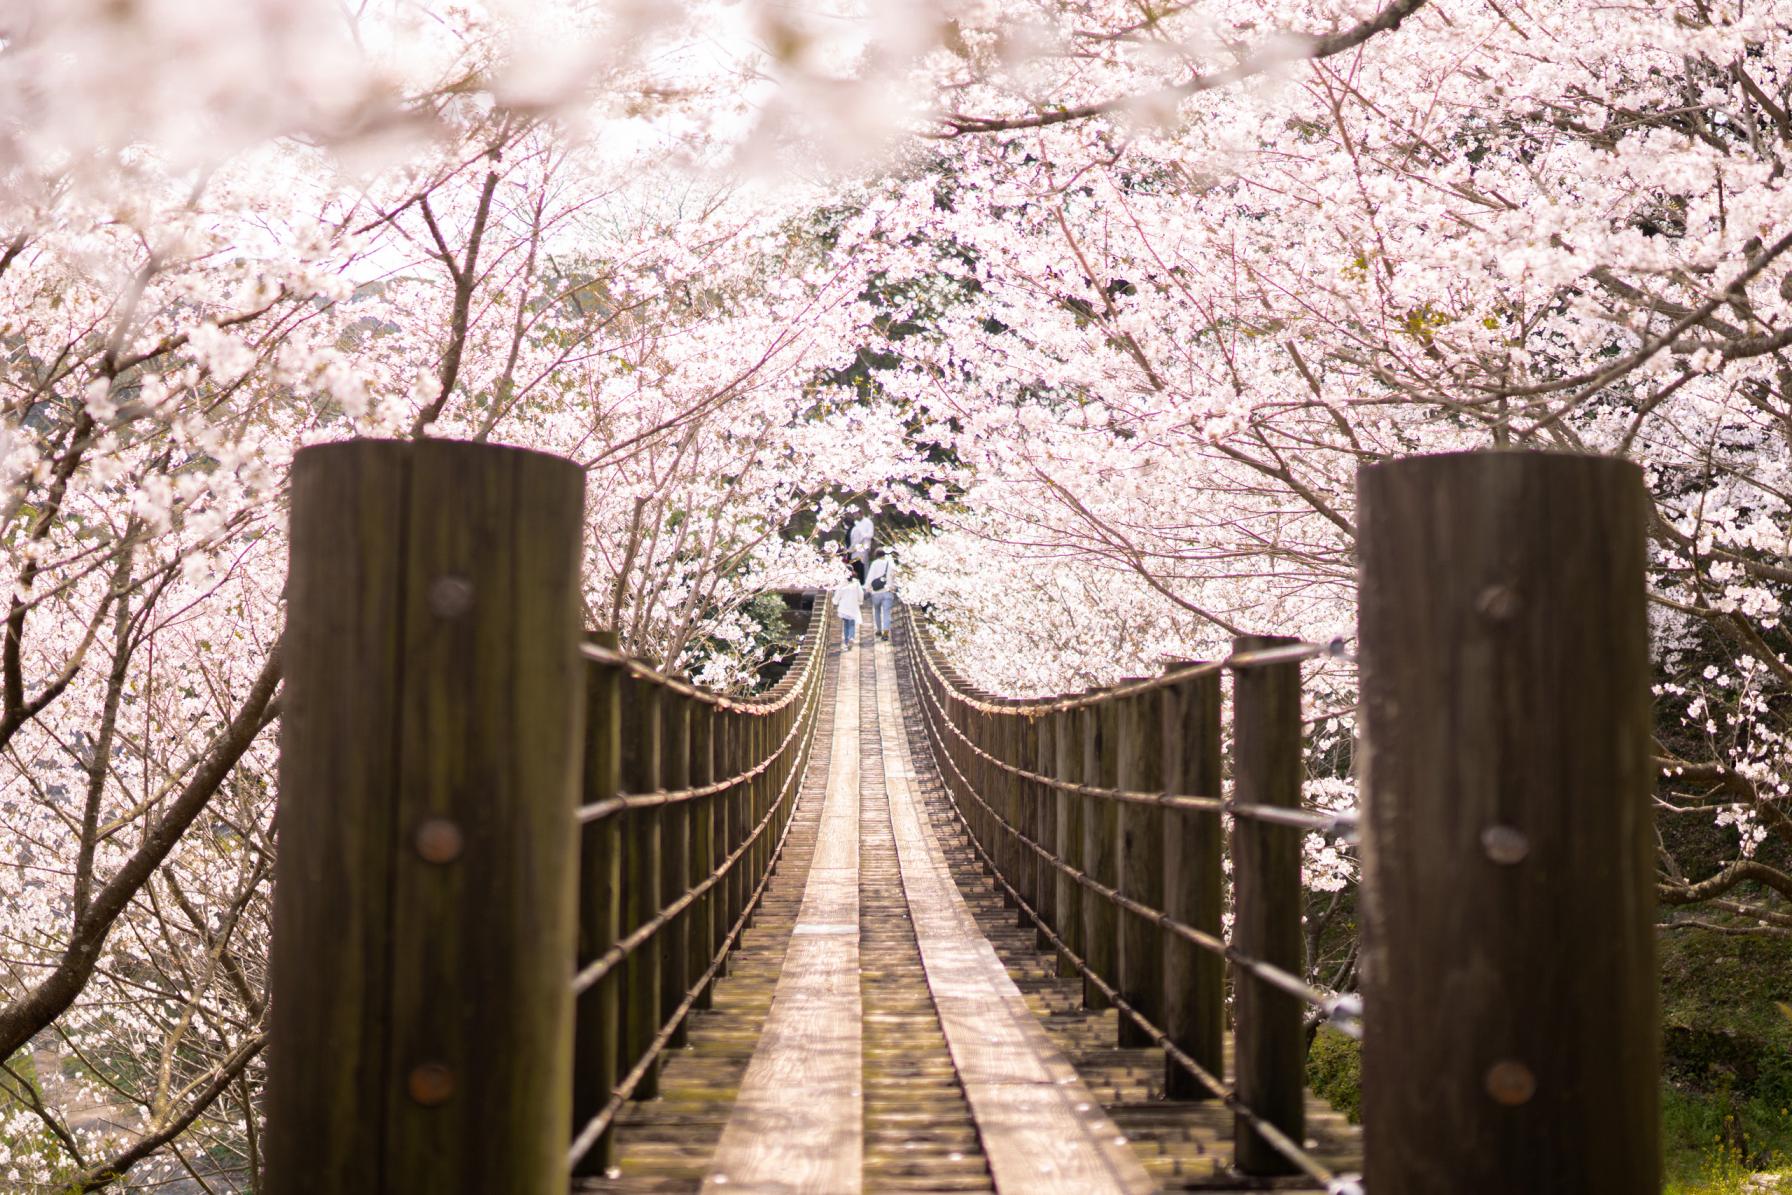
(1712, 1144)
(1335, 1071)
(1726, 1060)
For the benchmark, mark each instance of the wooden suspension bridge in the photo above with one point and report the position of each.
(546, 919)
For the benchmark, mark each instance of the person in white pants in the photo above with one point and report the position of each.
(848, 596)
(880, 583)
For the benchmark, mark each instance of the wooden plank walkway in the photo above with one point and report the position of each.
(887, 1026)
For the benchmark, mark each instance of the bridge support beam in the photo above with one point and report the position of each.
(1511, 1023)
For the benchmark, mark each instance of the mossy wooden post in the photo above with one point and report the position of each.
(703, 937)
(675, 858)
(596, 1026)
(1194, 978)
(1139, 767)
(1044, 761)
(641, 728)
(1511, 1031)
(1269, 1041)
(1067, 751)
(424, 916)
(1101, 833)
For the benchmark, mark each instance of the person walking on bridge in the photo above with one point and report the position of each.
(849, 595)
(858, 542)
(880, 583)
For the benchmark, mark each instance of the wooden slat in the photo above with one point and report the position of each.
(1042, 1130)
(798, 1124)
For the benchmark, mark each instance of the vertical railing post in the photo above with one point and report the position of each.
(675, 862)
(1045, 876)
(1067, 755)
(641, 730)
(425, 888)
(735, 802)
(1511, 1031)
(704, 861)
(1101, 834)
(1194, 978)
(1026, 749)
(1005, 798)
(600, 905)
(1270, 1042)
(1139, 767)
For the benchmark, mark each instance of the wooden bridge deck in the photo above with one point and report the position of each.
(886, 1025)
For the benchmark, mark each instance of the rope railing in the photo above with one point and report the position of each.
(593, 1131)
(1069, 802)
(605, 963)
(1212, 1082)
(689, 798)
(437, 889)
(598, 810)
(1342, 1008)
(1337, 824)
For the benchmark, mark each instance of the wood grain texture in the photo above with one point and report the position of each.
(597, 1025)
(641, 891)
(433, 674)
(1505, 686)
(1267, 769)
(1045, 758)
(1140, 768)
(1194, 894)
(1041, 1129)
(1067, 752)
(798, 1123)
(1101, 849)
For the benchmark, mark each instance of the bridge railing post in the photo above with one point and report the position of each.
(1140, 861)
(675, 861)
(1194, 894)
(595, 1036)
(703, 940)
(1067, 753)
(1511, 1031)
(1045, 876)
(1269, 1037)
(425, 887)
(641, 863)
(1101, 831)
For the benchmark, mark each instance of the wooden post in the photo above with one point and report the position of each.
(1026, 749)
(1510, 990)
(675, 860)
(703, 938)
(1067, 754)
(1194, 978)
(595, 1041)
(1101, 850)
(1045, 760)
(1140, 863)
(734, 801)
(424, 897)
(1269, 1040)
(641, 878)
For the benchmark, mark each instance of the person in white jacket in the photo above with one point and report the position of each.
(858, 542)
(848, 596)
(880, 583)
